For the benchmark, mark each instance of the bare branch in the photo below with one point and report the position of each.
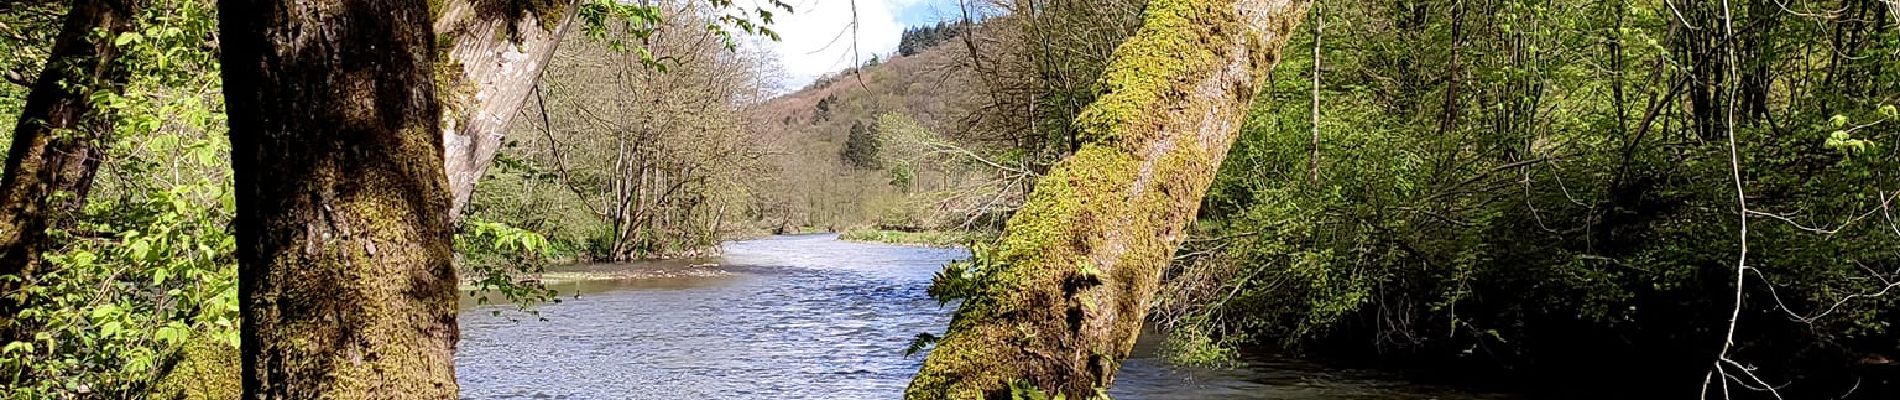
(18, 79)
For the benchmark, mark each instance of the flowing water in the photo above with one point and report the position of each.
(799, 317)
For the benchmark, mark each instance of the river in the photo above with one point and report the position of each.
(801, 317)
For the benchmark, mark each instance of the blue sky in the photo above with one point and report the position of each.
(927, 12)
(817, 38)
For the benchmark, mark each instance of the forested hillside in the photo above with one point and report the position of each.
(888, 145)
(608, 166)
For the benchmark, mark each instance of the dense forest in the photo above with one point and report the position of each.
(1557, 189)
(1550, 198)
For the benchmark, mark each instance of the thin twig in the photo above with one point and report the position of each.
(1318, 24)
(1741, 258)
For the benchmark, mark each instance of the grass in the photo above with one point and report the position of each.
(925, 238)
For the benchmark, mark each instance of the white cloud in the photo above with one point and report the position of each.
(818, 38)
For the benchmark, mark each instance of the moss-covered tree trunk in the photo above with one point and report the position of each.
(57, 141)
(346, 285)
(508, 48)
(1058, 303)
(495, 52)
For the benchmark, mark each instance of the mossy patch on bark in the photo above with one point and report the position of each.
(207, 369)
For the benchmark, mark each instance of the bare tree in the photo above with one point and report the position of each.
(661, 158)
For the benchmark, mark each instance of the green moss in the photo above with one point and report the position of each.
(1178, 39)
(550, 12)
(1080, 192)
(454, 93)
(1138, 134)
(436, 8)
(207, 370)
(443, 42)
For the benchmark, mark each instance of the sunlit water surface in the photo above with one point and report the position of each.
(800, 317)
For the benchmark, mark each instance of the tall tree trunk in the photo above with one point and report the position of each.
(496, 50)
(495, 56)
(58, 139)
(343, 244)
(1058, 303)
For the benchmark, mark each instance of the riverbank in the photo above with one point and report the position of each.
(941, 239)
(619, 272)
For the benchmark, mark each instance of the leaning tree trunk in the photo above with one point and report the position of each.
(57, 141)
(1058, 303)
(495, 52)
(343, 244)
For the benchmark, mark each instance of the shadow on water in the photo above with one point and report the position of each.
(798, 317)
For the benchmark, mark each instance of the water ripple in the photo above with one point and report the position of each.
(800, 317)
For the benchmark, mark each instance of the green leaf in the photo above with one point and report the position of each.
(82, 258)
(923, 340)
(104, 310)
(138, 249)
(110, 328)
(172, 333)
(207, 156)
(126, 38)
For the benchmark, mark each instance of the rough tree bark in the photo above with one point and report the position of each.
(57, 141)
(495, 51)
(1059, 301)
(343, 244)
(494, 56)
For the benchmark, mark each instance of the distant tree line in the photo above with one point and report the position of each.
(917, 39)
